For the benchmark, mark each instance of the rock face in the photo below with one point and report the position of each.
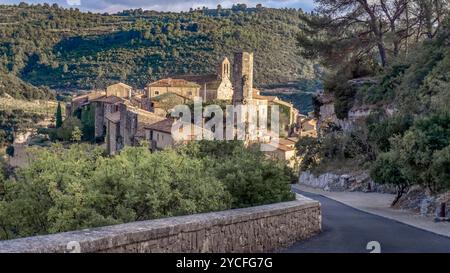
(422, 201)
(359, 181)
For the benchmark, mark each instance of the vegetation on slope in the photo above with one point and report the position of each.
(67, 49)
(409, 146)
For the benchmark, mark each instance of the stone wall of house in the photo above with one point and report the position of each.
(118, 91)
(225, 90)
(99, 119)
(128, 125)
(256, 229)
(242, 76)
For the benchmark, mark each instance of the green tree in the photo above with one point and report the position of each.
(65, 132)
(76, 134)
(10, 151)
(308, 149)
(58, 116)
(388, 169)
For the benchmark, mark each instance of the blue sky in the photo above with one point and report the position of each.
(165, 5)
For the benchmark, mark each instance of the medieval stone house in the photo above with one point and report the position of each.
(177, 86)
(126, 127)
(284, 151)
(126, 117)
(160, 134)
(120, 90)
(216, 86)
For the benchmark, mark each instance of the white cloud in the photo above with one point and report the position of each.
(74, 2)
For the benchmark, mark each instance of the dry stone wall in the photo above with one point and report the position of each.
(256, 229)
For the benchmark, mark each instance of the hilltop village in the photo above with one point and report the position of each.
(123, 116)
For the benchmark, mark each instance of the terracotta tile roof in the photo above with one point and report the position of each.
(146, 117)
(282, 147)
(164, 126)
(80, 98)
(109, 100)
(169, 96)
(200, 79)
(285, 148)
(122, 84)
(169, 82)
(256, 95)
(286, 142)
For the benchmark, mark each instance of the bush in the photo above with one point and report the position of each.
(387, 169)
(249, 177)
(421, 154)
(79, 187)
(382, 129)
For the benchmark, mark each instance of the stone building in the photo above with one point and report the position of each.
(104, 105)
(216, 86)
(285, 151)
(178, 86)
(126, 117)
(160, 136)
(78, 101)
(120, 90)
(113, 143)
(242, 77)
(126, 127)
(308, 127)
(162, 104)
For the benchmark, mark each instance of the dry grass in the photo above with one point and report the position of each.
(47, 108)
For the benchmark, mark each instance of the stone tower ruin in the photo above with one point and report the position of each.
(242, 77)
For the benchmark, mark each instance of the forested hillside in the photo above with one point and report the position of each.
(399, 69)
(65, 49)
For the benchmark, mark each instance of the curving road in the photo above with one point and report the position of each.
(348, 230)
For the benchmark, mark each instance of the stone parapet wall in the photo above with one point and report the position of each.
(256, 229)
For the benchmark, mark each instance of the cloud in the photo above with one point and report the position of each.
(165, 5)
(74, 2)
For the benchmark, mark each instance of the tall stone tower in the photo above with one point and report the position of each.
(225, 69)
(242, 77)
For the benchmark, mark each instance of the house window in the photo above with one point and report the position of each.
(156, 93)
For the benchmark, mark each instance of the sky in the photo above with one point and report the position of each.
(164, 5)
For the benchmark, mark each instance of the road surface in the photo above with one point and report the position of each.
(348, 230)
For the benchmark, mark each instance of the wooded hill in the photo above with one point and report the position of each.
(65, 49)
(395, 55)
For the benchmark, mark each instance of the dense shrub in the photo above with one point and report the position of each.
(247, 174)
(79, 187)
(421, 154)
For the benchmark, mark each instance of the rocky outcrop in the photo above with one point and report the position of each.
(422, 201)
(358, 181)
(357, 113)
(327, 114)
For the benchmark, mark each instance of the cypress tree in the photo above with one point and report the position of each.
(58, 116)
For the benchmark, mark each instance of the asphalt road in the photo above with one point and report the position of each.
(348, 230)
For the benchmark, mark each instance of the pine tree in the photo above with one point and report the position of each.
(58, 116)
